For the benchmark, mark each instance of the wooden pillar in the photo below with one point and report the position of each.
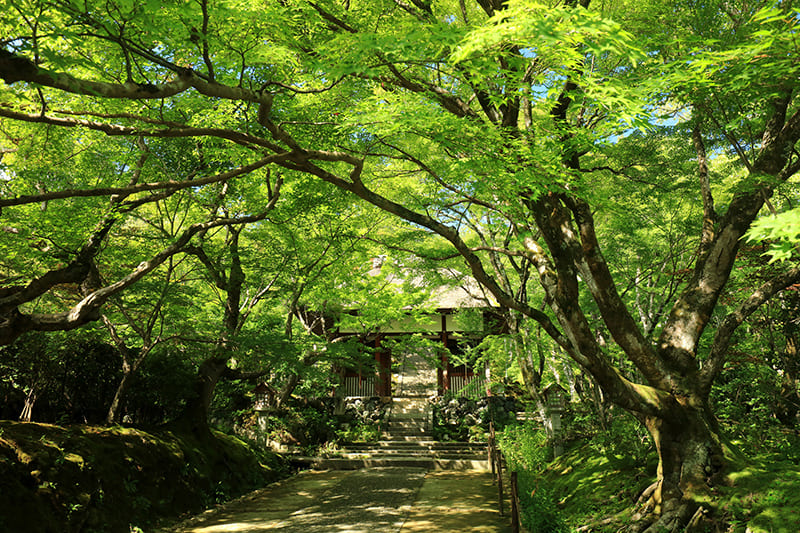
(379, 388)
(445, 357)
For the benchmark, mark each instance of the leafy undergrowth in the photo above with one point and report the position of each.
(107, 480)
(585, 486)
(597, 492)
(763, 496)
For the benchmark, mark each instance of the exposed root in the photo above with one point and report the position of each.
(696, 520)
(645, 504)
(674, 520)
(682, 516)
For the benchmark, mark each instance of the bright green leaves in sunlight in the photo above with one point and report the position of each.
(559, 37)
(552, 44)
(754, 58)
(781, 231)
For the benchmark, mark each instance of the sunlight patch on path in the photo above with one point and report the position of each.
(457, 501)
(379, 500)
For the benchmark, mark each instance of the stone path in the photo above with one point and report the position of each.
(378, 500)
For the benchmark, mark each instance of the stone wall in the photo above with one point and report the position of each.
(465, 419)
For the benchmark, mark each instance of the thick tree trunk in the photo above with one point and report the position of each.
(690, 456)
(195, 416)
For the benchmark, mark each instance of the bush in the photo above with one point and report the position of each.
(527, 453)
(74, 376)
(538, 506)
(525, 447)
(312, 423)
(160, 388)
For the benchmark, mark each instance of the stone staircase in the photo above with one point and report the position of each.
(410, 419)
(406, 442)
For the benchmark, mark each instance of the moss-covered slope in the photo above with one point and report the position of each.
(597, 491)
(90, 479)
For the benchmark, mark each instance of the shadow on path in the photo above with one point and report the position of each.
(379, 500)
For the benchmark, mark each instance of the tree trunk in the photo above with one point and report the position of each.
(788, 402)
(214, 368)
(27, 409)
(287, 391)
(532, 380)
(122, 388)
(195, 416)
(690, 455)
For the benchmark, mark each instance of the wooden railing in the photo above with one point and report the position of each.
(498, 462)
(359, 386)
(468, 386)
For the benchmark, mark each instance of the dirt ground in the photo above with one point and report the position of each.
(379, 500)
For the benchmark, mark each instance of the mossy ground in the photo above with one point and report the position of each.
(108, 480)
(595, 491)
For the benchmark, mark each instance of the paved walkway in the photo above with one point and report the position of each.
(378, 500)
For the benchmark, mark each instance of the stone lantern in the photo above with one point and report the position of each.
(261, 393)
(554, 397)
(261, 404)
(554, 400)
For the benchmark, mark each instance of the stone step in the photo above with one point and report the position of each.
(347, 452)
(408, 416)
(427, 444)
(407, 423)
(423, 444)
(360, 454)
(431, 463)
(408, 438)
(410, 402)
(405, 431)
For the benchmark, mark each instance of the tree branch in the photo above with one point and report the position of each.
(127, 191)
(709, 215)
(14, 323)
(722, 339)
(176, 130)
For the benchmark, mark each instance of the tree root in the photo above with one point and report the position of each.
(684, 516)
(675, 520)
(644, 504)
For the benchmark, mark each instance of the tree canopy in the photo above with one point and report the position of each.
(594, 166)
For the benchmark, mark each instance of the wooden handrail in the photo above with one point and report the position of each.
(496, 460)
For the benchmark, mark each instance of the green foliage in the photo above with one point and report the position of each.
(358, 431)
(540, 513)
(72, 376)
(305, 425)
(525, 447)
(745, 401)
(782, 231)
(624, 439)
(462, 120)
(528, 453)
